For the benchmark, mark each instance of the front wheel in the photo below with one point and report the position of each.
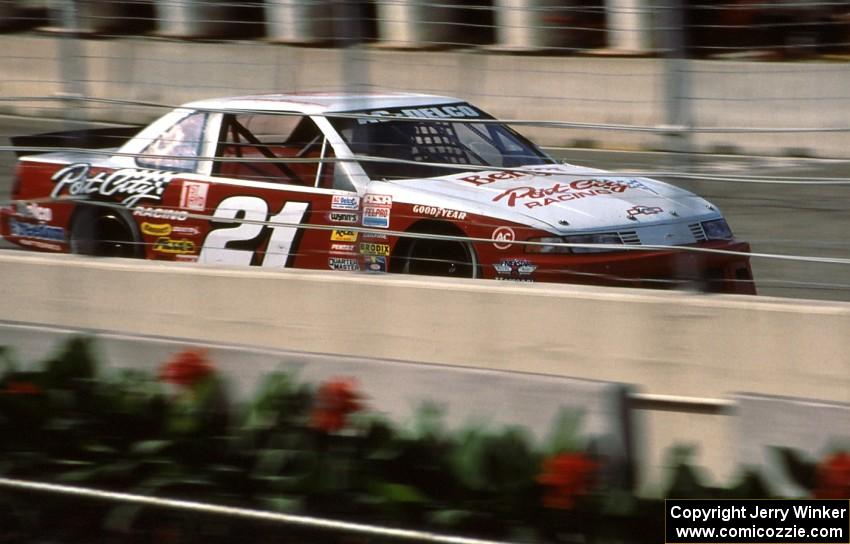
(436, 258)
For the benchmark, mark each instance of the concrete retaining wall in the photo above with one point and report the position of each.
(664, 342)
(596, 90)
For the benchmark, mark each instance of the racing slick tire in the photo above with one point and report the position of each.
(429, 257)
(103, 232)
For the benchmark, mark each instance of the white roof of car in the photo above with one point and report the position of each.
(319, 103)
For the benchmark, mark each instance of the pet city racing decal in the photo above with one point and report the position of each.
(129, 184)
(533, 197)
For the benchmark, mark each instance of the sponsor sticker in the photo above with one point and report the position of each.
(193, 196)
(40, 244)
(131, 185)
(374, 236)
(371, 248)
(156, 229)
(643, 210)
(165, 244)
(375, 264)
(180, 229)
(186, 258)
(336, 263)
(378, 200)
(434, 211)
(35, 211)
(493, 177)
(345, 202)
(36, 231)
(514, 268)
(376, 217)
(533, 197)
(343, 235)
(160, 213)
(451, 111)
(503, 237)
(342, 217)
(342, 248)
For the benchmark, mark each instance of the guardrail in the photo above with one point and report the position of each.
(667, 343)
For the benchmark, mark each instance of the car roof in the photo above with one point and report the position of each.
(318, 103)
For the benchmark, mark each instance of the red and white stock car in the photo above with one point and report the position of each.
(403, 183)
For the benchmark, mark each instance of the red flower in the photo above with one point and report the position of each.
(186, 368)
(335, 399)
(22, 388)
(566, 476)
(833, 477)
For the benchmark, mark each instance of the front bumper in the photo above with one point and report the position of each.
(687, 268)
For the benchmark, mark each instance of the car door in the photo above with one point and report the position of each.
(272, 196)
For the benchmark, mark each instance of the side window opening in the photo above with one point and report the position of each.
(276, 148)
(183, 139)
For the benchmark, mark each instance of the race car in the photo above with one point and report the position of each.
(391, 182)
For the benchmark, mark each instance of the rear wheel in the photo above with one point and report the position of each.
(103, 233)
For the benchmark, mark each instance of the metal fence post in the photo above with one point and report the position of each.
(347, 26)
(72, 65)
(676, 73)
(628, 26)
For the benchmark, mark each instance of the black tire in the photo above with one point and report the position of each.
(425, 257)
(103, 232)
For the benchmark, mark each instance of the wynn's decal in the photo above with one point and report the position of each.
(560, 192)
(129, 184)
(341, 217)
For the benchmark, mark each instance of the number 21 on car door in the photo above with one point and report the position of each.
(248, 230)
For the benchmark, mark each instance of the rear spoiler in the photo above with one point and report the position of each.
(94, 138)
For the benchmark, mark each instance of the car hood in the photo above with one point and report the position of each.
(564, 197)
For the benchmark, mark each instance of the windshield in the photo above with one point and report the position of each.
(436, 136)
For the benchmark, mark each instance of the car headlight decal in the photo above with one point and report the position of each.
(606, 238)
(717, 229)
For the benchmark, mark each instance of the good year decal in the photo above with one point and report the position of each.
(254, 211)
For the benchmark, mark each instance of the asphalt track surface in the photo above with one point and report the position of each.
(807, 219)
